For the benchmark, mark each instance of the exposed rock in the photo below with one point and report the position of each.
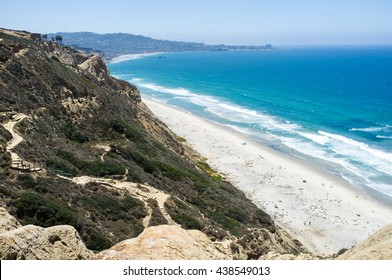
(262, 241)
(7, 222)
(36, 243)
(55, 50)
(165, 243)
(96, 67)
(278, 256)
(376, 247)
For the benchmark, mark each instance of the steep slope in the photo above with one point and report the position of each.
(378, 246)
(94, 157)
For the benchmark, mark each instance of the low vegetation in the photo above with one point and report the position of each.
(208, 170)
(103, 216)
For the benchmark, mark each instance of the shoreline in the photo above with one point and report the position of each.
(321, 210)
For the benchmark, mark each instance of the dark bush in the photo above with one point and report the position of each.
(39, 210)
(73, 134)
(226, 222)
(26, 180)
(93, 168)
(5, 190)
(237, 214)
(61, 167)
(187, 222)
(96, 240)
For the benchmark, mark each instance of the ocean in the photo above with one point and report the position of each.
(331, 107)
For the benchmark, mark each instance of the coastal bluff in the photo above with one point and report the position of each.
(108, 178)
(155, 243)
(103, 169)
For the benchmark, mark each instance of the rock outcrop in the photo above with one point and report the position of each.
(165, 243)
(30, 242)
(96, 67)
(288, 257)
(7, 222)
(36, 243)
(377, 247)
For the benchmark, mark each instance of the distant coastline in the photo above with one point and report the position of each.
(113, 45)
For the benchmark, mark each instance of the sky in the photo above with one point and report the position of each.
(241, 22)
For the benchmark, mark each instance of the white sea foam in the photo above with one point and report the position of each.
(304, 147)
(356, 158)
(174, 91)
(384, 188)
(239, 109)
(126, 57)
(361, 146)
(372, 129)
(224, 109)
(136, 80)
(360, 152)
(322, 140)
(310, 149)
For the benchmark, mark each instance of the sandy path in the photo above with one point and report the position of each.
(16, 138)
(141, 192)
(16, 161)
(322, 211)
(106, 148)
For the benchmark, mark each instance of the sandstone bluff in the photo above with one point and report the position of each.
(88, 172)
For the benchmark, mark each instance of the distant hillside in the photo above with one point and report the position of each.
(115, 44)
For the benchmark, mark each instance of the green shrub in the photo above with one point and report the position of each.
(134, 134)
(226, 222)
(96, 240)
(5, 191)
(93, 168)
(42, 211)
(26, 180)
(187, 222)
(237, 214)
(169, 171)
(73, 134)
(61, 167)
(197, 202)
(111, 207)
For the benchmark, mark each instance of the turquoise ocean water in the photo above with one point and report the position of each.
(330, 106)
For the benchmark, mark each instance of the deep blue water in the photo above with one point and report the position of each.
(330, 106)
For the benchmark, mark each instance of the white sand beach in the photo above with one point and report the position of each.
(321, 210)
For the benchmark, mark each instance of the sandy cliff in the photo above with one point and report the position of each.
(165, 243)
(36, 243)
(378, 246)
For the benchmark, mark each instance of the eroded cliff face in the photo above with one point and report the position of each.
(31, 242)
(378, 246)
(165, 243)
(93, 157)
